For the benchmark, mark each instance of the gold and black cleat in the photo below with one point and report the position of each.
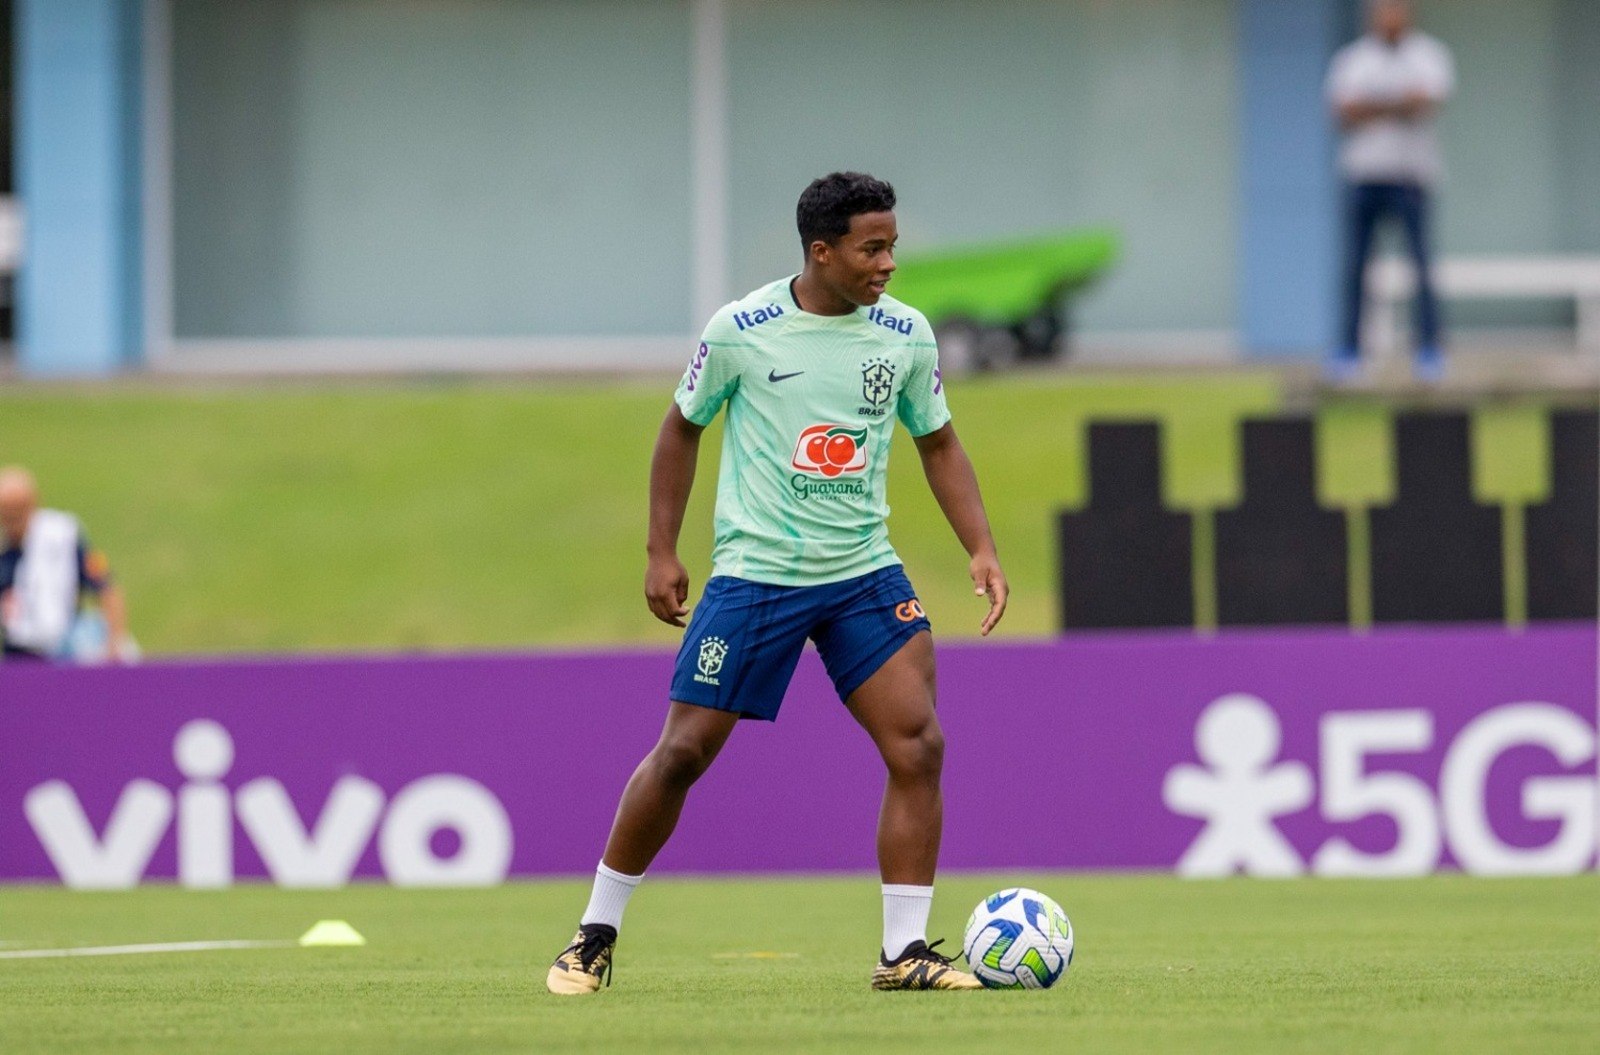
(585, 963)
(919, 967)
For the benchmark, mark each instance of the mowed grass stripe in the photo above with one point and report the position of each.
(484, 515)
(1446, 964)
(478, 515)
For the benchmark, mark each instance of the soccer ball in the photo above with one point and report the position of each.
(1018, 939)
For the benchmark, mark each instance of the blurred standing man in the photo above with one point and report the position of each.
(1386, 89)
(46, 565)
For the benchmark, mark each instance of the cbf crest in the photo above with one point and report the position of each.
(877, 382)
(713, 651)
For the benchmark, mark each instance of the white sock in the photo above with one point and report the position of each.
(609, 898)
(905, 917)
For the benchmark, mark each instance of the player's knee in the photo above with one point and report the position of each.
(679, 762)
(919, 756)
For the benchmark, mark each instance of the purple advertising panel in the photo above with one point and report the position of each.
(1268, 753)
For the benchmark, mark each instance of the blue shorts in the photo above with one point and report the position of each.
(745, 638)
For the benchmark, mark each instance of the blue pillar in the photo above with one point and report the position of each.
(77, 158)
(1290, 232)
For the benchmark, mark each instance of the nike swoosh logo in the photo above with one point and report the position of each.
(773, 375)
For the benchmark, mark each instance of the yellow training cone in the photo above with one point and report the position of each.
(332, 932)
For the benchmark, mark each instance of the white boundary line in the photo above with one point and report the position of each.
(128, 950)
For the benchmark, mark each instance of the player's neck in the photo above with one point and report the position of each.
(814, 298)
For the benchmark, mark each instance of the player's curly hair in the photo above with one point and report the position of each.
(828, 203)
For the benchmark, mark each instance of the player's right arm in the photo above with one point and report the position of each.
(710, 380)
(666, 580)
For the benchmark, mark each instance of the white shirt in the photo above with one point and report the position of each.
(45, 594)
(1370, 70)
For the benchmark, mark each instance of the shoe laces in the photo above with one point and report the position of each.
(591, 948)
(927, 953)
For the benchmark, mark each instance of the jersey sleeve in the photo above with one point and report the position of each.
(922, 408)
(713, 373)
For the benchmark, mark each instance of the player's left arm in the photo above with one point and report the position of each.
(955, 486)
(1437, 82)
(114, 606)
(94, 576)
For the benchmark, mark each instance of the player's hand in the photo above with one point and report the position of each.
(989, 581)
(666, 589)
(124, 650)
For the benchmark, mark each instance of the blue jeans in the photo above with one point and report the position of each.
(1366, 205)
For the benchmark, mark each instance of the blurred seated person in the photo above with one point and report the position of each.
(47, 567)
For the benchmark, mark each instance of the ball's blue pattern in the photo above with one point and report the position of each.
(1018, 939)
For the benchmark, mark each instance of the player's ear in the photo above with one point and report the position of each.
(820, 251)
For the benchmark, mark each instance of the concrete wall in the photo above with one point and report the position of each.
(1000, 118)
(504, 168)
(521, 168)
(363, 168)
(1514, 134)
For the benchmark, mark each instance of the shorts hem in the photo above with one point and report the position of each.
(742, 712)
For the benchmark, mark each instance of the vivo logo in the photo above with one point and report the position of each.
(697, 364)
(321, 855)
(884, 319)
(746, 319)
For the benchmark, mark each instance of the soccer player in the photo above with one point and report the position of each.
(813, 369)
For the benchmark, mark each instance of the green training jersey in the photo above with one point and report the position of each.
(812, 401)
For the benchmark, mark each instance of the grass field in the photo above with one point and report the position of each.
(501, 515)
(1447, 964)
(495, 515)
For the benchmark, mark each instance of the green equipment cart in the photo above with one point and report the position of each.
(1005, 300)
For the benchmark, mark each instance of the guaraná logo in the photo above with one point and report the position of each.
(829, 451)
